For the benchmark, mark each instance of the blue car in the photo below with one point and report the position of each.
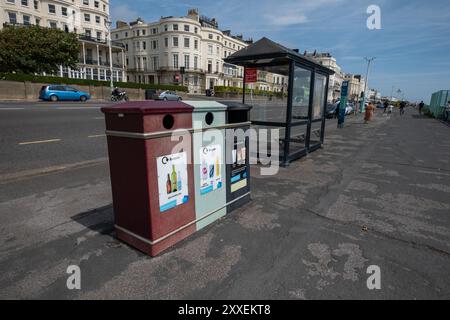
(62, 92)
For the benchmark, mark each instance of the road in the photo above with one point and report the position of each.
(376, 194)
(45, 135)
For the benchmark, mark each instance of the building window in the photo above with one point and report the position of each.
(51, 8)
(138, 32)
(155, 44)
(38, 22)
(209, 66)
(143, 32)
(36, 5)
(64, 11)
(175, 41)
(175, 27)
(195, 30)
(210, 36)
(195, 44)
(126, 47)
(186, 28)
(87, 17)
(155, 63)
(154, 30)
(97, 19)
(86, 2)
(217, 66)
(53, 25)
(195, 63)
(99, 35)
(175, 61)
(218, 51)
(166, 27)
(126, 34)
(96, 4)
(24, 3)
(186, 61)
(166, 42)
(144, 45)
(12, 17)
(218, 38)
(87, 33)
(210, 49)
(186, 42)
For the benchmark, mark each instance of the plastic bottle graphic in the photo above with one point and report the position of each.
(204, 170)
(174, 179)
(179, 181)
(168, 185)
(217, 167)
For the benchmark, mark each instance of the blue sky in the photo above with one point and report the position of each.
(412, 49)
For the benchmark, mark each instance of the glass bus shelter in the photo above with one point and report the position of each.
(290, 93)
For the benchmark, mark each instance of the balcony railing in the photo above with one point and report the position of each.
(103, 63)
(89, 38)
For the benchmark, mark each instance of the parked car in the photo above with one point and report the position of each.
(168, 95)
(331, 110)
(62, 92)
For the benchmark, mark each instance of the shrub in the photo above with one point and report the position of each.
(224, 89)
(58, 80)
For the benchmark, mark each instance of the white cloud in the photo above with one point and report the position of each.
(287, 13)
(123, 12)
(287, 20)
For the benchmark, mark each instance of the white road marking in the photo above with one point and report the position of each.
(40, 141)
(11, 108)
(97, 135)
(78, 108)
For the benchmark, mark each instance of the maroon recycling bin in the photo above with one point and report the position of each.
(152, 182)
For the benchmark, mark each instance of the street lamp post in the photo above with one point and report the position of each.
(363, 101)
(108, 24)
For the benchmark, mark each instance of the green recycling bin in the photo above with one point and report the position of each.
(208, 147)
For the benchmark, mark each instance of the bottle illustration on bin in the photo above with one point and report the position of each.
(174, 179)
(168, 185)
(173, 183)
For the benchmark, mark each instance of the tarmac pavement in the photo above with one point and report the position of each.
(375, 194)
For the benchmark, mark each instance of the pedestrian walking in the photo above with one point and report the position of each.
(386, 104)
(402, 107)
(369, 113)
(421, 105)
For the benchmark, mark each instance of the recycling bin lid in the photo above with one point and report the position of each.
(236, 106)
(204, 106)
(149, 107)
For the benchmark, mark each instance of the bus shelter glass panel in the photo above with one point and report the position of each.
(268, 95)
(298, 138)
(300, 94)
(320, 83)
(266, 142)
(301, 87)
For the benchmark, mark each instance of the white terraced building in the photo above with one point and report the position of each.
(87, 18)
(184, 51)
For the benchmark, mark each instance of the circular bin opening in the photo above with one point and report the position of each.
(209, 118)
(168, 121)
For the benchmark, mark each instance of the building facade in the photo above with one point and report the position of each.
(356, 86)
(89, 19)
(335, 84)
(181, 51)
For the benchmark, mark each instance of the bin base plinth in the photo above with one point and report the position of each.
(157, 248)
(239, 203)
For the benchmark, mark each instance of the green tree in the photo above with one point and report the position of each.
(33, 49)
